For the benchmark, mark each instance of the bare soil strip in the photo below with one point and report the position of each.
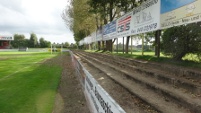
(70, 97)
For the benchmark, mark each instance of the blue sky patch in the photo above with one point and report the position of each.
(169, 5)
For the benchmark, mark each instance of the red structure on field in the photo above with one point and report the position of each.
(5, 42)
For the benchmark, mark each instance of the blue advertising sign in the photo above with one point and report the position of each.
(99, 34)
(109, 28)
(109, 31)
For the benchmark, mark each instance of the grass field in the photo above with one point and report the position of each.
(26, 84)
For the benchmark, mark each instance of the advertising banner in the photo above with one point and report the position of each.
(87, 40)
(93, 37)
(6, 38)
(124, 25)
(109, 31)
(146, 17)
(81, 42)
(179, 12)
(99, 35)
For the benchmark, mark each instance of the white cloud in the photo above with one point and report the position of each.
(43, 17)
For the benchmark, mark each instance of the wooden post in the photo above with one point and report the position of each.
(159, 47)
(131, 45)
(123, 45)
(142, 44)
(157, 41)
(117, 46)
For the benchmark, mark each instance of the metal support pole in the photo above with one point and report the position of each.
(157, 41)
(131, 45)
(142, 44)
(117, 45)
(123, 45)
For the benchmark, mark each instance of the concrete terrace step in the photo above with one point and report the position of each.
(163, 76)
(141, 91)
(178, 96)
(190, 74)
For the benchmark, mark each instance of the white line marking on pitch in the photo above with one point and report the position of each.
(17, 71)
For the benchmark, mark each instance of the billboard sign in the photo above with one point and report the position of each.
(93, 37)
(123, 25)
(6, 38)
(87, 40)
(81, 42)
(109, 31)
(179, 12)
(99, 35)
(146, 17)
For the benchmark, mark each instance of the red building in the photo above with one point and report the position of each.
(5, 42)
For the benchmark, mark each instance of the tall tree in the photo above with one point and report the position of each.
(43, 43)
(108, 11)
(93, 14)
(78, 19)
(66, 44)
(33, 41)
(98, 7)
(126, 6)
(181, 40)
(19, 40)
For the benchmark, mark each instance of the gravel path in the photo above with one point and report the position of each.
(70, 97)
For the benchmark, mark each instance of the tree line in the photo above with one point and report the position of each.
(21, 41)
(86, 16)
(33, 42)
(93, 14)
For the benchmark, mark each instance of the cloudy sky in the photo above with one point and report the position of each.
(42, 17)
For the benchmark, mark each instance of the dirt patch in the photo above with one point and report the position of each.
(70, 97)
(126, 100)
(141, 86)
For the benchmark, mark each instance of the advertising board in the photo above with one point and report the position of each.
(146, 17)
(93, 37)
(109, 31)
(99, 35)
(179, 12)
(124, 25)
(6, 38)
